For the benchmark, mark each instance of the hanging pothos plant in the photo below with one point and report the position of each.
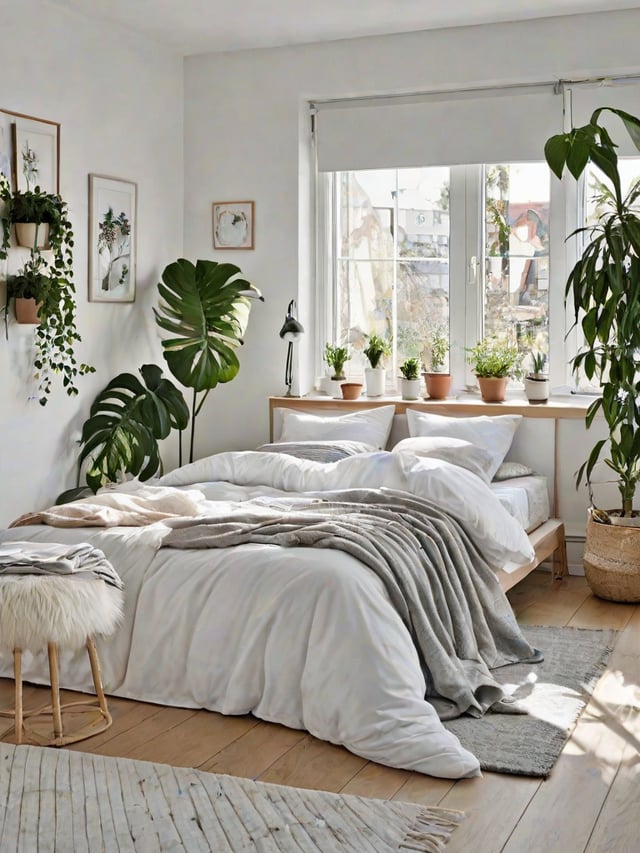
(205, 308)
(50, 283)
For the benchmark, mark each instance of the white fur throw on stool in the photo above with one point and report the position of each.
(36, 610)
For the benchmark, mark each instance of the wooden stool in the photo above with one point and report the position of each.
(38, 611)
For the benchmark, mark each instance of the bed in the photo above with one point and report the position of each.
(293, 631)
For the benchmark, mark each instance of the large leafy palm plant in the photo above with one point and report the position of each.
(205, 309)
(604, 289)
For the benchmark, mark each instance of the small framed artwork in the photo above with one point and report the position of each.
(232, 224)
(112, 239)
(35, 159)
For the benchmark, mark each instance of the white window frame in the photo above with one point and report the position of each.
(465, 294)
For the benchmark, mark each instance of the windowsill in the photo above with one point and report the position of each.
(558, 406)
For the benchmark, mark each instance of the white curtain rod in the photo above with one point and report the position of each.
(558, 85)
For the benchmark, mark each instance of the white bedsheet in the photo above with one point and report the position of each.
(525, 498)
(298, 636)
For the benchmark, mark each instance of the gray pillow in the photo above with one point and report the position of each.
(318, 451)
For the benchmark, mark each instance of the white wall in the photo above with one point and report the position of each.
(246, 138)
(119, 101)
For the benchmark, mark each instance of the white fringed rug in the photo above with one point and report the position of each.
(59, 800)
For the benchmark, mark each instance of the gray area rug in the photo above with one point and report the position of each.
(59, 800)
(553, 692)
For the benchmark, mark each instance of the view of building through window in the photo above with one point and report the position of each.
(393, 263)
(516, 253)
(394, 238)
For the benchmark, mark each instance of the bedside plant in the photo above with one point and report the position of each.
(603, 289)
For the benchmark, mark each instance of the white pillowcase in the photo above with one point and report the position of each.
(493, 434)
(456, 451)
(371, 426)
(511, 470)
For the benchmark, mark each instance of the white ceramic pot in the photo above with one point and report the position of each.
(374, 378)
(410, 388)
(537, 390)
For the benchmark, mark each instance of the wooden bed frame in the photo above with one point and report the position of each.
(548, 540)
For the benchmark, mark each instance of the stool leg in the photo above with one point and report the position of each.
(55, 690)
(97, 677)
(17, 705)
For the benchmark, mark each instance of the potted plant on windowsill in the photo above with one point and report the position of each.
(536, 382)
(376, 350)
(437, 379)
(494, 360)
(603, 289)
(336, 358)
(410, 382)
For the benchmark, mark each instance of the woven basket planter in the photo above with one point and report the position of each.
(612, 561)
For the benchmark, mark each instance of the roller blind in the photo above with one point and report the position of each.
(623, 94)
(480, 126)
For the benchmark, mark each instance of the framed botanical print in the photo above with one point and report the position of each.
(112, 239)
(232, 224)
(35, 151)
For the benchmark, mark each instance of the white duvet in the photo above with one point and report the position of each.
(299, 636)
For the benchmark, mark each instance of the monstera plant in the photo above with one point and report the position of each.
(205, 309)
(126, 421)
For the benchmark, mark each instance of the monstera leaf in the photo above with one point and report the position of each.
(126, 421)
(205, 308)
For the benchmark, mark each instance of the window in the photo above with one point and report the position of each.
(465, 248)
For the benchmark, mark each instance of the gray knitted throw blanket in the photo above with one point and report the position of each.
(444, 590)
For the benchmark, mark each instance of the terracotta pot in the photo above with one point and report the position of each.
(351, 390)
(612, 561)
(493, 389)
(438, 385)
(27, 310)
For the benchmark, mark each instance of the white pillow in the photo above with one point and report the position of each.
(494, 434)
(511, 470)
(371, 426)
(456, 451)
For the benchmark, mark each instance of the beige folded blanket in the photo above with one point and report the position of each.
(120, 508)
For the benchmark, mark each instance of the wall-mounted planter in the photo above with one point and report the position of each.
(27, 310)
(33, 235)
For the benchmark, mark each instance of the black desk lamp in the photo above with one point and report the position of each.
(290, 332)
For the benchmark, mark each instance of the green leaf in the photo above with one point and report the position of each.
(556, 151)
(127, 419)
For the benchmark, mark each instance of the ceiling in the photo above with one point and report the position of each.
(204, 26)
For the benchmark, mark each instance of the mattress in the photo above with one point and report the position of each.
(525, 498)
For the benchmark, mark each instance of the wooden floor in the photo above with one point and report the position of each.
(590, 803)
